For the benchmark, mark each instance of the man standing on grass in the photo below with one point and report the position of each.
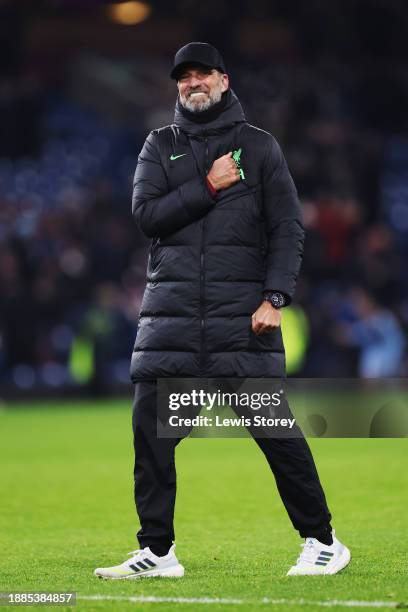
(215, 196)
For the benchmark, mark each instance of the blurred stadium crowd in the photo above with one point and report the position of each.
(72, 262)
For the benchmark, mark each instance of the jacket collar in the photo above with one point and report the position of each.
(219, 118)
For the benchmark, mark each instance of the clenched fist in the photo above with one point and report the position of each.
(265, 318)
(224, 172)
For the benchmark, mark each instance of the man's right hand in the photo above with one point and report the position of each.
(224, 172)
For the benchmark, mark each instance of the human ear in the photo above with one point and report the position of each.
(224, 82)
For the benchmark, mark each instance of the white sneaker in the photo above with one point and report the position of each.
(144, 563)
(319, 559)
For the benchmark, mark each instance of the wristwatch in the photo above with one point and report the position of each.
(277, 299)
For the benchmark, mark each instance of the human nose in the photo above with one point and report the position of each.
(194, 81)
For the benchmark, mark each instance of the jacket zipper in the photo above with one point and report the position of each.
(202, 279)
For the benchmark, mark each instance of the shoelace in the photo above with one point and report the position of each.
(308, 554)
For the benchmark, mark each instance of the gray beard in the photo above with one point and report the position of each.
(203, 106)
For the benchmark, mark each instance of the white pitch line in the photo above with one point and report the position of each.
(227, 601)
(153, 599)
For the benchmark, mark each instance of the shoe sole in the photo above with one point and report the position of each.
(176, 571)
(342, 562)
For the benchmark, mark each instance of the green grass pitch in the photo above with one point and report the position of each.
(67, 507)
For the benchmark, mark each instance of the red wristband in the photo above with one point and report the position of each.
(211, 187)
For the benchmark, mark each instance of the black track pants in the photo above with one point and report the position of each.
(290, 460)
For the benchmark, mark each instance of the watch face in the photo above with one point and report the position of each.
(277, 300)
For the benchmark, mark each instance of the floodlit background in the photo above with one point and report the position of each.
(82, 82)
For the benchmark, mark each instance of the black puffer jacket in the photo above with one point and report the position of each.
(212, 257)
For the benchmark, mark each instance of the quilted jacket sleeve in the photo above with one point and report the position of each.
(284, 225)
(158, 211)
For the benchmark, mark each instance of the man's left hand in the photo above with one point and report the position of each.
(265, 318)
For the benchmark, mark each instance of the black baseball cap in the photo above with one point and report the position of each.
(197, 53)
